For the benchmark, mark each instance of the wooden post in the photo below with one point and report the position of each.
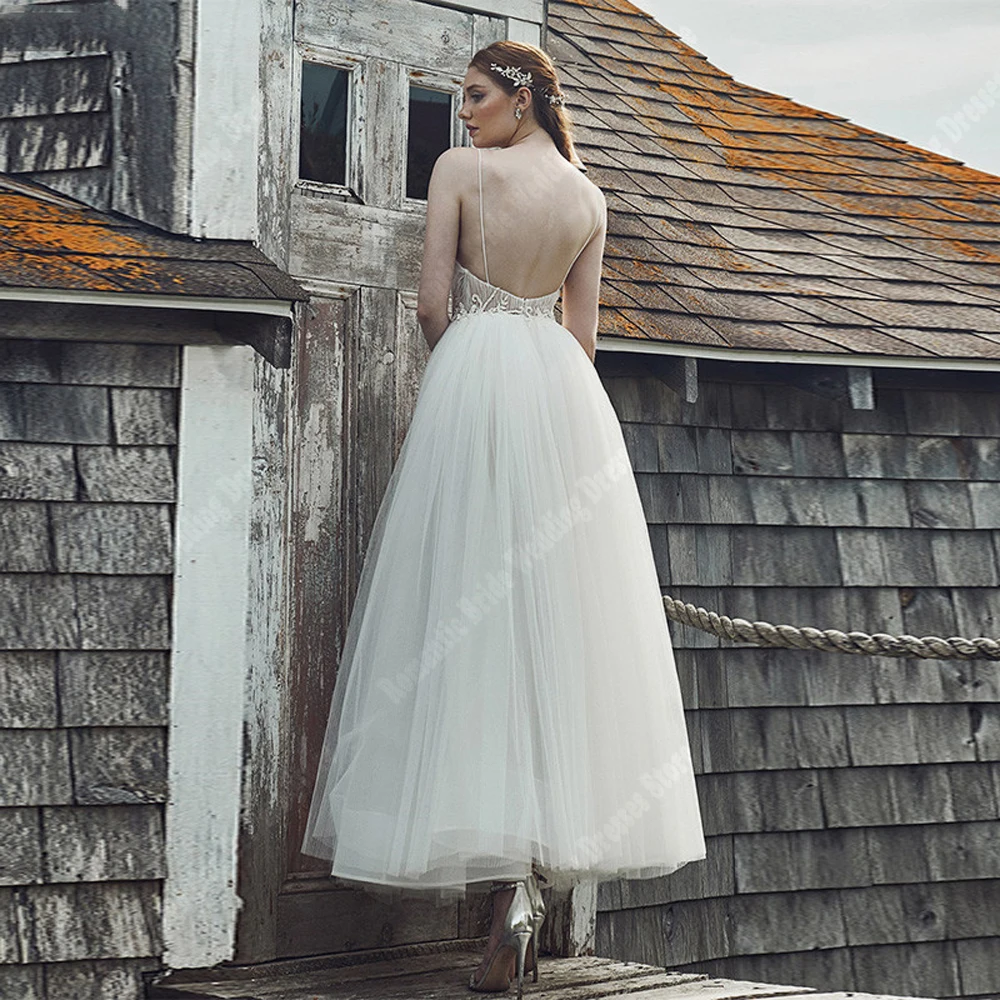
(571, 920)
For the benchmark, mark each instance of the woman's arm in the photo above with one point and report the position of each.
(440, 244)
(582, 289)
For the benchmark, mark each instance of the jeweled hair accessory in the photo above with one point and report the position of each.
(515, 74)
(524, 80)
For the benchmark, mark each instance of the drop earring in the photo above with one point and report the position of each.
(517, 113)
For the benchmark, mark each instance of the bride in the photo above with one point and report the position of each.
(507, 707)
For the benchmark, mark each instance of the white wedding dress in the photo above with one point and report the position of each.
(507, 690)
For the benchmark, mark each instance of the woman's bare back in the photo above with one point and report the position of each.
(539, 212)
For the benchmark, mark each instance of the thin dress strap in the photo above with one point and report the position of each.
(482, 224)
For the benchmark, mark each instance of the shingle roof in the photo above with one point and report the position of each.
(50, 241)
(739, 219)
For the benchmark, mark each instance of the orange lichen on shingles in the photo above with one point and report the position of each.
(134, 273)
(16, 206)
(49, 271)
(976, 253)
(72, 237)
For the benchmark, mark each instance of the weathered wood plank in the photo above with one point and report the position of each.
(311, 923)
(939, 503)
(640, 440)
(147, 365)
(761, 800)
(61, 86)
(144, 416)
(37, 611)
(793, 556)
(792, 861)
(110, 538)
(985, 500)
(921, 457)
(36, 471)
(56, 413)
(114, 324)
(368, 230)
(122, 612)
(34, 767)
(712, 877)
(263, 827)
(692, 931)
(91, 185)
(104, 688)
(106, 979)
(72, 922)
(442, 42)
(103, 843)
(979, 962)
(21, 857)
(929, 968)
(119, 765)
(963, 414)
(138, 473)
(753, 739)
(904, 734)
(22, 981)
(890, 914)
(219, 613)
(27, 690)
(55, 142)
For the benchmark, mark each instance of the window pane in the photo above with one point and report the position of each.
(323, 129)
(429, 137)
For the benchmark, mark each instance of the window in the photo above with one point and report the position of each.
(429, 135)
(323, 124)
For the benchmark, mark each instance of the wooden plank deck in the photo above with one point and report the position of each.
(446, 974)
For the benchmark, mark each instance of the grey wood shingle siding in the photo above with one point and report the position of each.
(850, 802)
(88, 436)
(83, 104)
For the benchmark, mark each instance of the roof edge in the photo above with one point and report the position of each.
(198, 303)
(935, 363)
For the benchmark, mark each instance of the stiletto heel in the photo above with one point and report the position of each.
(537, 918)
(523, 937)
(518, 927)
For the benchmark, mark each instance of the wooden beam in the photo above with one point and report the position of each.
(208, 667)
(851, 384)
(680, 373)
(859, 388)
(270, 336)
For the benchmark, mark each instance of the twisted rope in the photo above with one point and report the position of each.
(830, 640)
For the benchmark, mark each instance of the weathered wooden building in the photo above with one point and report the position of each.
(799, 330)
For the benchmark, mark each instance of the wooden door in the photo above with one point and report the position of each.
(357, 362)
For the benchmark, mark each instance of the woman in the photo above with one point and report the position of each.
(507, 700)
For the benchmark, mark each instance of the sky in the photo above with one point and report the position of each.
(926, 71)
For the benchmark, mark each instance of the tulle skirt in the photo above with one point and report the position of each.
(507, 691)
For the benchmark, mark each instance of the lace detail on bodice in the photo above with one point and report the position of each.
(470, 294)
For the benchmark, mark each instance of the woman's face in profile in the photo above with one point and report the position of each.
(487, 110)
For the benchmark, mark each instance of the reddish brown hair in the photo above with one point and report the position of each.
(554, 118)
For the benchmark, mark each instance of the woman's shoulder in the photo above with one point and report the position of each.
(594, 193)
(454, 159)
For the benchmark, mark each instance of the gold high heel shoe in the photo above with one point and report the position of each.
(518, 927)
(537, 919)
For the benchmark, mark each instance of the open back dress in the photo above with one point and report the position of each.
(507, 691)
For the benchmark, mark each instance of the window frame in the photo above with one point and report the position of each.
(356, 68)
(448, 84)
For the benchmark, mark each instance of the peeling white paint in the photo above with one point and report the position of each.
(209, 658)
(226, 122)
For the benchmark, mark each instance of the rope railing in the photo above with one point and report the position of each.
(830, 640)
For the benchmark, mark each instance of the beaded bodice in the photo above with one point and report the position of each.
(470, 294)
